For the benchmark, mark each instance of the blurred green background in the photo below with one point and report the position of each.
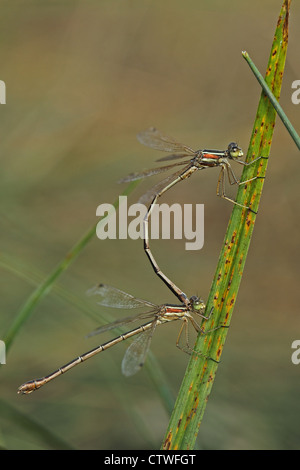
(82, 79)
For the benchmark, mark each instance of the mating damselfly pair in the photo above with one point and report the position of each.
(156, 315)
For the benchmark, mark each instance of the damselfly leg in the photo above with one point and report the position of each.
(136, 353)
(193, 161)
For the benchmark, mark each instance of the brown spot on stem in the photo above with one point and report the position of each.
(219, 351)
(167, 443)
(279, 21)
(188, 419)
(286, 22)
(210, 378)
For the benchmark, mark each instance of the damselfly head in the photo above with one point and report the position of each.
(234, 151)
(196, 303)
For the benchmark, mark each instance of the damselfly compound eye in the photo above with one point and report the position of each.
(234, 150)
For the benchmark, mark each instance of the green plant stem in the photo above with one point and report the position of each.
(273, 100)
(199, 378)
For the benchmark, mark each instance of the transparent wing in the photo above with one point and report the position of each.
(152, 192)
(135, 355)
(155, 139)
(111, 297)
(123, 322)
(173, 156)
(150, 172)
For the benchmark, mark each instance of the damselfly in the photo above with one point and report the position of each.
(136, 353)
(193, 160)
